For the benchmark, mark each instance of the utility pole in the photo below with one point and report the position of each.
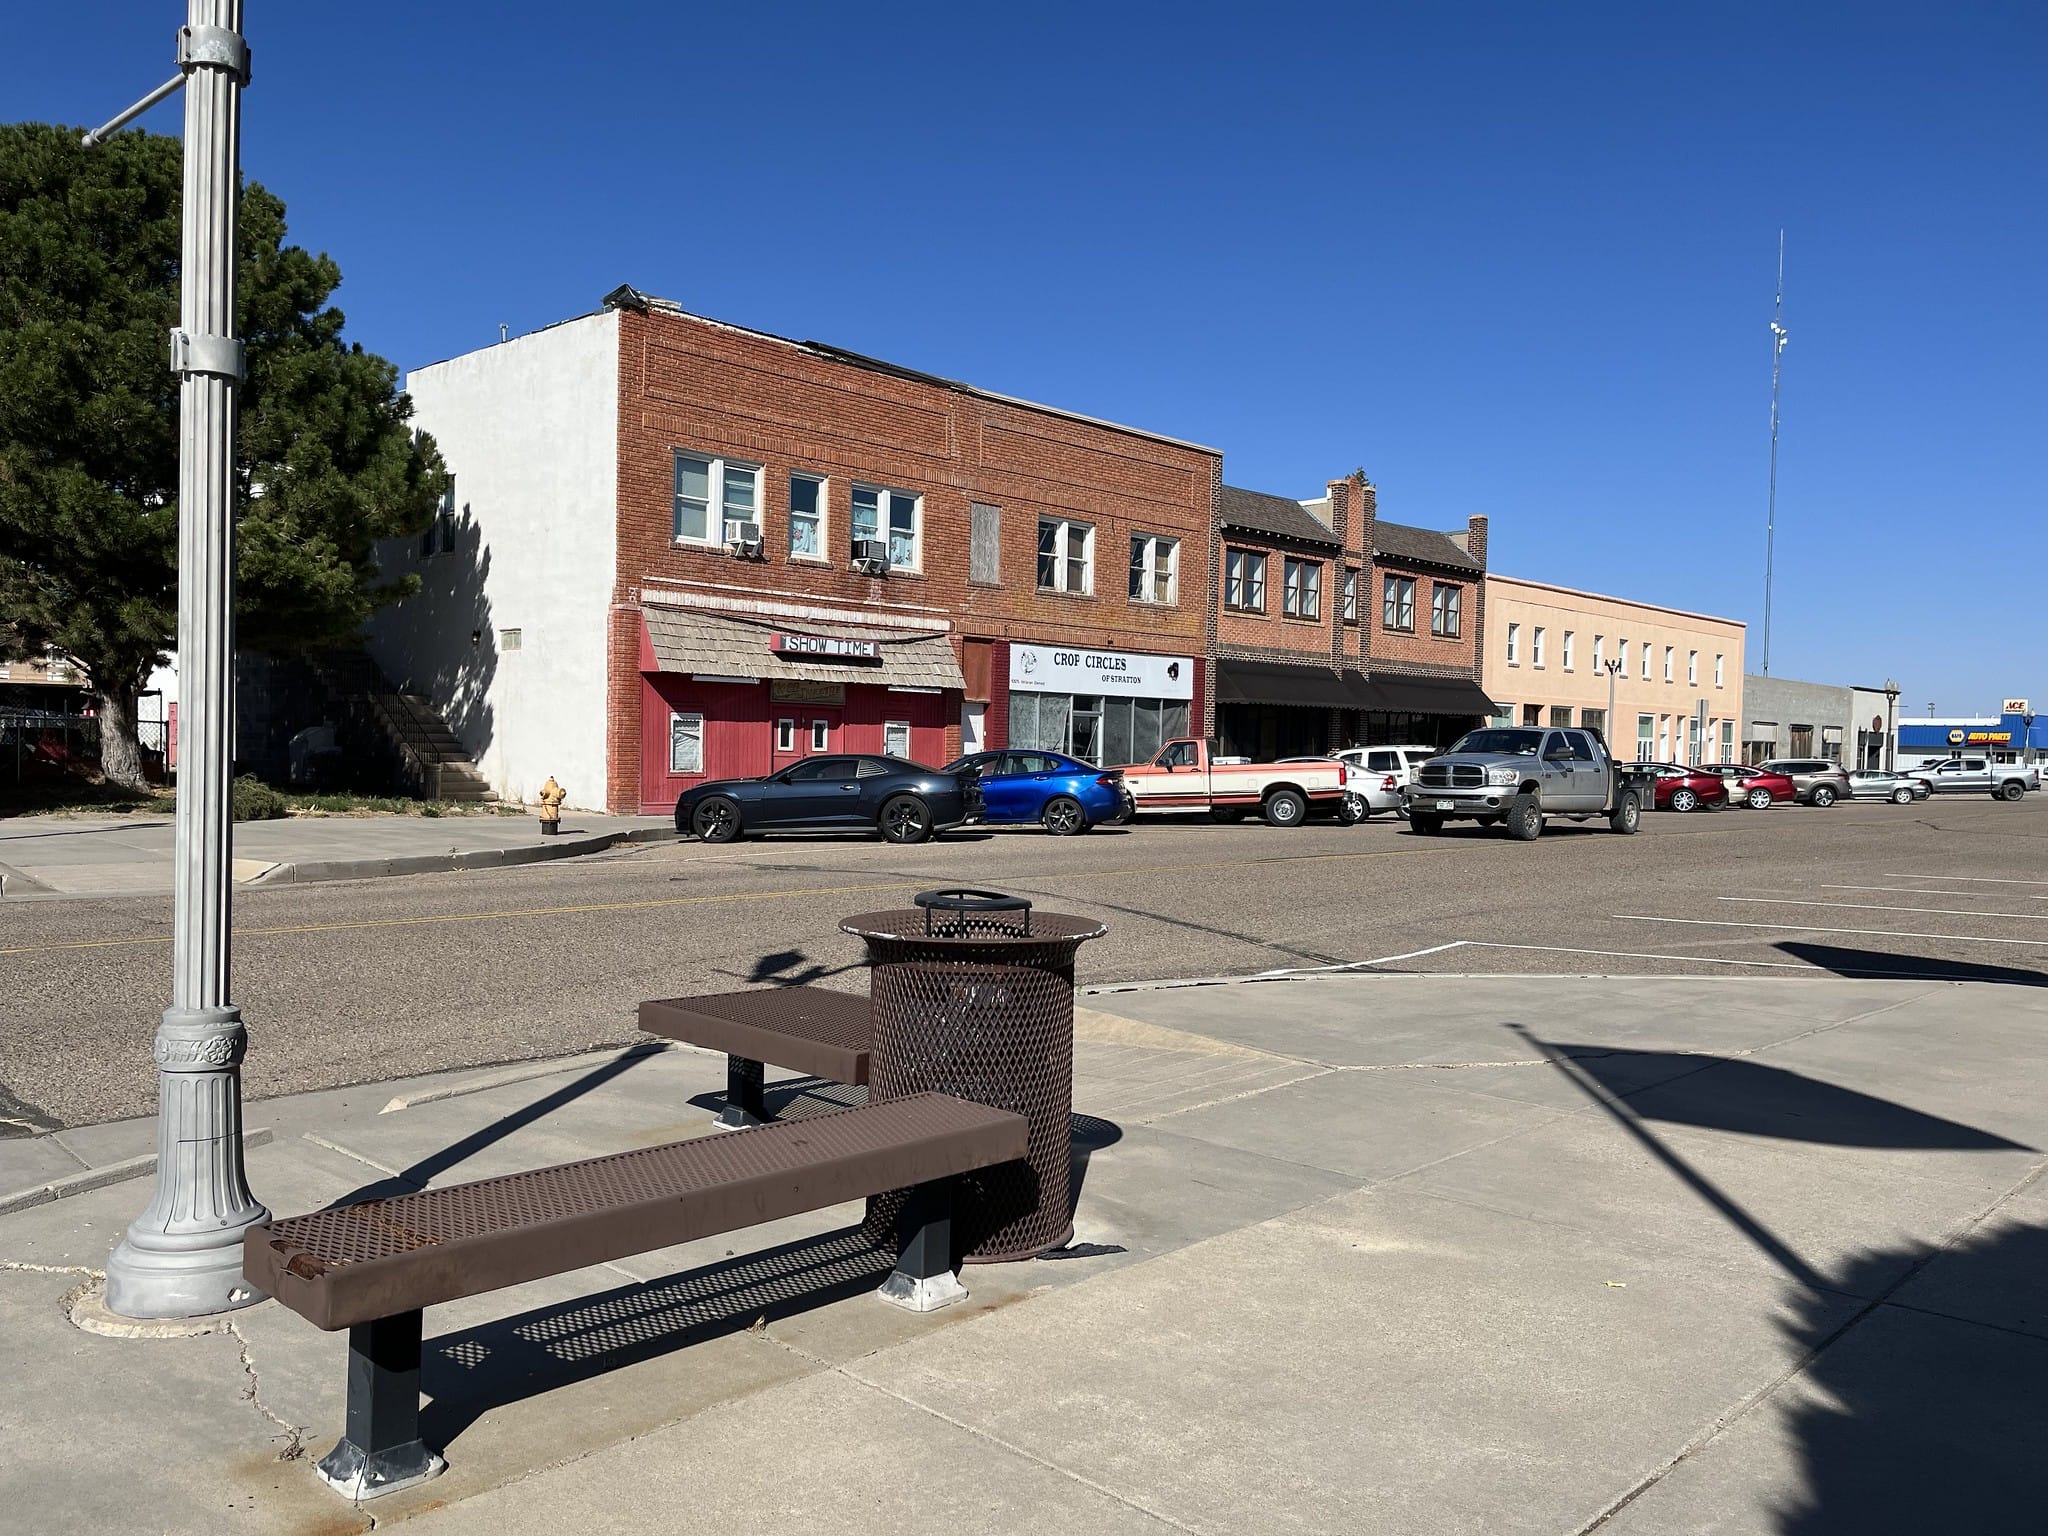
(182, 1257)
(1771, 516)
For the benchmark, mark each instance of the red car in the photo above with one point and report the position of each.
(1686, 789)
(1752, 787)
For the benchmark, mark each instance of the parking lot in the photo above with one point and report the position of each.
(345, 983)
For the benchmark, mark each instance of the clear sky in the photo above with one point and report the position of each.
(1510, 258)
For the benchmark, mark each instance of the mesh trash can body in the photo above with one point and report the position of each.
(985, 1011)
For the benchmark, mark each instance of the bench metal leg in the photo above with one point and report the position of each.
(744, 1104)
(381, 1451)
(923, 1280)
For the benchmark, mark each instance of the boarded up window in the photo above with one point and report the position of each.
(985, 544)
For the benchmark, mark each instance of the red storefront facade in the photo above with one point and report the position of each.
(822, 553)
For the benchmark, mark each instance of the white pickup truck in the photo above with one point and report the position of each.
(1187, 777)
(1978, 775)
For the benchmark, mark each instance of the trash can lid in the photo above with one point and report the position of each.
(907, 924)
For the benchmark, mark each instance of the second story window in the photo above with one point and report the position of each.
(1720, 671)
(1351, 597)
(439, 539)
(711, 493)
(1599, 653)
(1692, 668)
(984, 543)
(1445, 604)
(1066, 556)
(1568, 638)
(1397, 602)
(1621, 655)
(1669, 652)
(1244, 581)
(1536, 647)
(891, 517)
(1514, 645)
(1155, 569)
(1301, 592)
(807, 517)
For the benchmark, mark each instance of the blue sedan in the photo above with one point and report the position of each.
(1061, 794)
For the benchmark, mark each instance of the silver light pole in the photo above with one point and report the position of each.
(1891, 728)
(182, 1257)
(1778, 335)
(1612, 667)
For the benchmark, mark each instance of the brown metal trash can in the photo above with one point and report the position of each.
(973, 994)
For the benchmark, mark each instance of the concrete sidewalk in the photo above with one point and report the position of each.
(1374, 1253)
(42, 856)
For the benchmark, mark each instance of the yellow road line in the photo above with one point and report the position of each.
(668, 901)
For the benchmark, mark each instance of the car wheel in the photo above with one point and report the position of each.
(1628, 815)
(905, 819)
(1684, 800)
(2011, 791)
(1285, 808)
(1525, 819)
(1759, 799)
(1425, 826)
(1353, 810)
(716, 820)
(1902, 797)
(1063, 816)
(1823, 795)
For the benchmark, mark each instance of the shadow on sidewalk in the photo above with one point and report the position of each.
(470, 1373)
(1908, 1420)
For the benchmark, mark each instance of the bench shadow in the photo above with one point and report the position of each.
(471, 1372)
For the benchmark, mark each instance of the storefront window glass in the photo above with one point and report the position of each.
(685, 743)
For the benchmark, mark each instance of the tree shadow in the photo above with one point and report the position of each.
(1867, 963)
(1923, 1411)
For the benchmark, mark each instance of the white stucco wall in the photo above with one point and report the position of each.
(530, 430)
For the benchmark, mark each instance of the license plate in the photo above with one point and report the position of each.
(1447, 805)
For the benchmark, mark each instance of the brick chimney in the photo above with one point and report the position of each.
(1475, 538)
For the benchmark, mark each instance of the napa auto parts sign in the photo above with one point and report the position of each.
(1077, 669)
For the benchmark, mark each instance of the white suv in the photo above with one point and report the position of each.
(1373, 767)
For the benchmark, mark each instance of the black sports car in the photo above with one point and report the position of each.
(903, 801)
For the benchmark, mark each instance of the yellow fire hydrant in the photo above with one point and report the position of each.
(551, 797)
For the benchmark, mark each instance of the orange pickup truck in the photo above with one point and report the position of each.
(1186, 777)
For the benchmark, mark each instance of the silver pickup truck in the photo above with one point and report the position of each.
(1978, 776)
(1516, 776)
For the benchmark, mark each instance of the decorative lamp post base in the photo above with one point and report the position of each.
(182, 1257)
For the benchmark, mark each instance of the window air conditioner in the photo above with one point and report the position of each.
(871, 556)
(743, 539)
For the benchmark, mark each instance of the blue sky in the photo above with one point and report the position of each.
(1511, 258)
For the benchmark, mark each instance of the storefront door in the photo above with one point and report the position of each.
(819, 729)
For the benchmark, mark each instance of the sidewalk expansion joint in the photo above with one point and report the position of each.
(355, 1156)
(1021, 1453)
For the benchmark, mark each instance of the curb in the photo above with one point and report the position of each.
(99, 1178)
(437, 863)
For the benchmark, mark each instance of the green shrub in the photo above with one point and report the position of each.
(257, 801)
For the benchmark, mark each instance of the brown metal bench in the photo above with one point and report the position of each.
(805, 1029)
(371, 1267)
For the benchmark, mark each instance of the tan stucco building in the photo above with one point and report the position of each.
(1549, 652)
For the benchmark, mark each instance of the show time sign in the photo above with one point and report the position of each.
(825, 647)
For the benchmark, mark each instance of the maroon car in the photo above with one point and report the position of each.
(1752, 787)
(1686, 789)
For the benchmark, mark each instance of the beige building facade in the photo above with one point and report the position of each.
(1555, 656)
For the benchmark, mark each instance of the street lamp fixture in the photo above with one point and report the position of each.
(182, 1257)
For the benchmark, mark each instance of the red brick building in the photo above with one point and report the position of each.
(683, 549)
(1334, 628)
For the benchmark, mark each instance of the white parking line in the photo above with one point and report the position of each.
(1876, 933)
(1637, 954)
(1360, 965)
(1977, 879)
(1928, 890)
(1871, 906)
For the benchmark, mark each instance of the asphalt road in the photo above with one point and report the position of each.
(371, 980)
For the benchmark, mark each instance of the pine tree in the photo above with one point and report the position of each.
(327, 463)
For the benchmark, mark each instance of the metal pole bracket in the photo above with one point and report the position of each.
(205, 47)
(218, 355)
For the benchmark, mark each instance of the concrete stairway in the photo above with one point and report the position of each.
(435, 761)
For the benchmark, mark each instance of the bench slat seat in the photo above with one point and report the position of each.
(806, 1029)
(353, 1264)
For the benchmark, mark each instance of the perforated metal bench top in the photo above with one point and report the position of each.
(379, 1258)
(805, 1029)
